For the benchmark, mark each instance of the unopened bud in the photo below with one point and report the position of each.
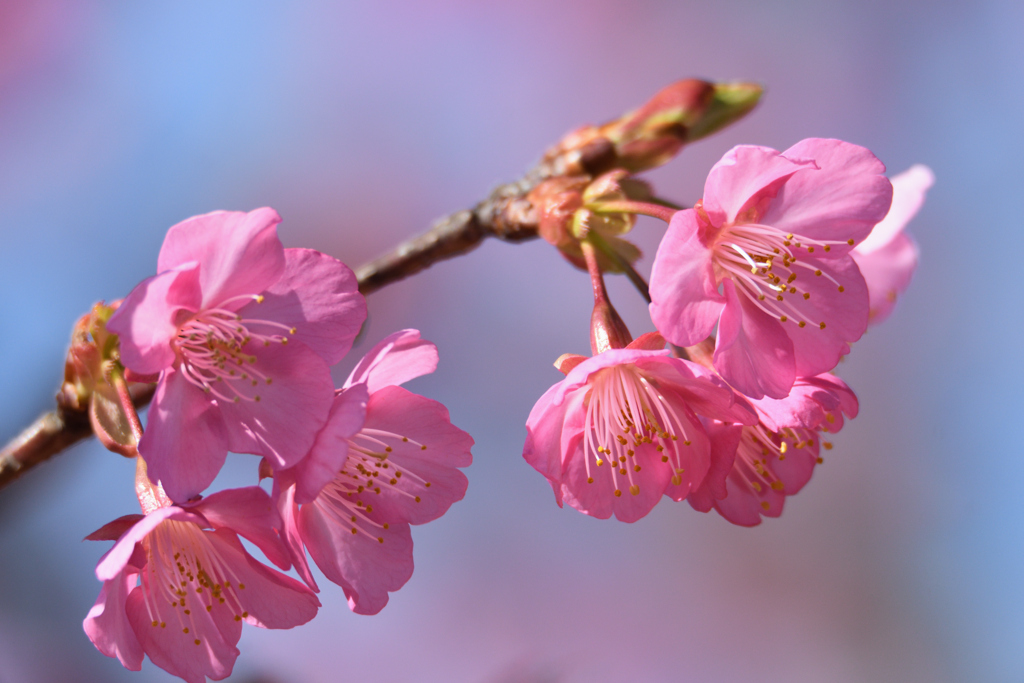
(680, 113)
(91, 345)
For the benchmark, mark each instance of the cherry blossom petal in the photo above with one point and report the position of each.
(249, 512)
(742, 506)
(428, 460)
(702, 390)
(107, 624)
(650, 341)
(685, 300)
(116, 559)
(174, 649)
(598, 499)
(844, 199)
(753, 352)
(887, 271)
(724, 438)
(284, 494)
(366, 568)
(396, 359)
(908, 192)
(319, 296)
(543, 440)
(695, 457)
(326, 457)
(272, 599)
(240, 253)
(148, 318)
(111, 531)
(744, 177)
(283, 424)
(839, 299)
(806, 404)
(795, 470)
(185, 443)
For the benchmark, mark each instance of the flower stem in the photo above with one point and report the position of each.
(636, 278)
(632, 206)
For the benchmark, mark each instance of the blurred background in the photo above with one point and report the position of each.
(362, 122)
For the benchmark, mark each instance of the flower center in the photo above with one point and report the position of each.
(759, 447)
(186, 574)
(762, 262)
(625, 410)
(213, 347)
(368, 471)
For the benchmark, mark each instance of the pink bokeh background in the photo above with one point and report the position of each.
(362, 122)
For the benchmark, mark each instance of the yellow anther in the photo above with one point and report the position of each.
(777, 485)
(676, 479)
(590, 480)
(810, 250)
(380, 539)
(756, 485)
(634, 489)
(850, 241)
(792, 276)
(807, 295)
(600, 462)
(664, 458)
(821, 325)
(842, 289)
(801, 324)
(618, 493)
(765, 505)
(291, 331)
(783, 447)
(817, 272)
(820, 460)
(827, 445)
(636, 468)
(783, 319)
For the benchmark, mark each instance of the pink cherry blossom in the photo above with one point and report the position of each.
(178, 584)
(775, 458)
(766, 256)
(387, 458)
(242, 333)
(624, 428)
(888, 257)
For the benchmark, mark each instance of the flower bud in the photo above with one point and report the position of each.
(682, 112)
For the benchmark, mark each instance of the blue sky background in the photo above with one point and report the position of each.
(362, 122)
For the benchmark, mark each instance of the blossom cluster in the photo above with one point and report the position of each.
(239, 334)
(756, 293)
